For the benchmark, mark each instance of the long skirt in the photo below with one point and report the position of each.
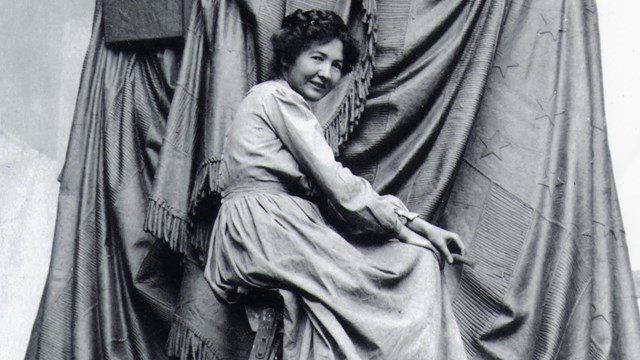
(342, 300)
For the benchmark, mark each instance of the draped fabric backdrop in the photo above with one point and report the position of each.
(485, 116)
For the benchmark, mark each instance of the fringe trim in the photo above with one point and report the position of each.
(346, 118)
(202, 236)
(185, 344)
(206, 182)
(336, 132)
(165, 223)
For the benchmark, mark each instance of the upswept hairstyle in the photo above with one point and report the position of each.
(301, 29)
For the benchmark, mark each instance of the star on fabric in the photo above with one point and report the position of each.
(586, 234)
(504, 64)
(598, 311)
(549, 28)
(551, 181)
(608, 230)
(617, 235)
(595, 126)
(494, 145)
(548, 110)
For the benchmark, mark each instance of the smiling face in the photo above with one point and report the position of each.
(317, 70)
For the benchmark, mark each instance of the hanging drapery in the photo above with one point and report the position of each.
(227, 51)
(484, 116)
(111, 287)
(411, 97)
(536, 199)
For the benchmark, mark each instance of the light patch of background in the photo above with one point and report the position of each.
(620, 43)
(42, 46)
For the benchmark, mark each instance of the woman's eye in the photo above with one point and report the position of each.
(317, 58)
(337, 66)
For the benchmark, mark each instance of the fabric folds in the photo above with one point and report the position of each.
(536, 200)
(111, 286)
(484, 116)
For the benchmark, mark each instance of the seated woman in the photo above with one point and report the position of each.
(342, 300)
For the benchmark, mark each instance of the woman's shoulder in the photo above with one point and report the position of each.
(275, 90)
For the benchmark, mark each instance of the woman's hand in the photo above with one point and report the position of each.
(419, 232)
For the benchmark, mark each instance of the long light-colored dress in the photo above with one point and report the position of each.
(343, 300)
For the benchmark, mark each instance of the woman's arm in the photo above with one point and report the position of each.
(351, 196)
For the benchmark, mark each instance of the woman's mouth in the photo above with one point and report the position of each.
(318, 85)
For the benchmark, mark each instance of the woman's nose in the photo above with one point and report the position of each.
(325, 70)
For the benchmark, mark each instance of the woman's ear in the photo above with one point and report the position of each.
(284, 64)
(283, 68)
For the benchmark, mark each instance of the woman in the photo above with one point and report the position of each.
(343, 300)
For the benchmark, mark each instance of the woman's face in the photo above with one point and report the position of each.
(317, 70)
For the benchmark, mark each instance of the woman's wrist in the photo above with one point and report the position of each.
(406, 216)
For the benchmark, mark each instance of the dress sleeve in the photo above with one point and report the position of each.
(350, 196)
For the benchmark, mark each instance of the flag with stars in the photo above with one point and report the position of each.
(536, 201)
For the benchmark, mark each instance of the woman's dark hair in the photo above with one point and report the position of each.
(301, 29)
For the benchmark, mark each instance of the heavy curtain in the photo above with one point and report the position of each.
(484, 116)
(111, 287)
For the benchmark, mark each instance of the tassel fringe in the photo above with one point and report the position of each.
(336, 132)
(206, 182)
(346, 118)
(202, 236)
(164, 222)
(185, 344)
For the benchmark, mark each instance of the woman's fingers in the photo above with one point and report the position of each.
(455, 245)
(407, 236)
(441, 245)
(438, 242)
(421, 233)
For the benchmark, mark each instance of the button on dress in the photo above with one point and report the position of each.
(343, 299)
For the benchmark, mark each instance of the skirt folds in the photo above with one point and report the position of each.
(342, 300)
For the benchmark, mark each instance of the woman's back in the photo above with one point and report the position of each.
(254, 152)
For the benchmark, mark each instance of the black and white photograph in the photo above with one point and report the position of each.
(319, 180)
